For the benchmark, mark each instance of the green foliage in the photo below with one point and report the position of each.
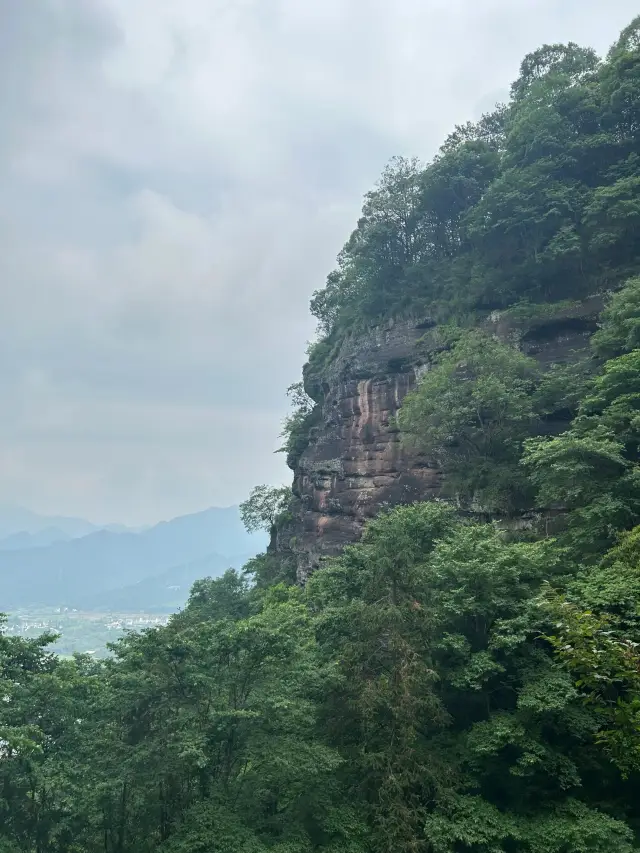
(442, 686)
(596, 636)
(197, 736)
(536, 201)
(389, 237)
(561, 389)
(470, 413)
(405, 700)
(319, 354)
(383, 696)
(264, 506)
(591, 470)
(620, 330)
(606, 666)
(270, 569)
(527, 315)
(470, 823)
(553, 66)
(297, 425)
(459, 731)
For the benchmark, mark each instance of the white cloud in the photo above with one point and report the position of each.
(175, 181)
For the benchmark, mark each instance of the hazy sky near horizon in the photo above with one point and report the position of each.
(176, 178)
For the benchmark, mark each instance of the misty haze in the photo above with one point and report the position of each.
(320, 436)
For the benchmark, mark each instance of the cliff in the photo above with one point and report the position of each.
(517, 224)
(355, 463)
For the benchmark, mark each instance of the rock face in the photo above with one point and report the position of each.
(356, 463)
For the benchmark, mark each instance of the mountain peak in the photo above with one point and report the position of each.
(78, 568)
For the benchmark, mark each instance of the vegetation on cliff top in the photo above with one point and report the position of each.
(539, 200)
(537, 203)
(443, 686)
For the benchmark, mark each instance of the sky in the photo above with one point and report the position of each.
(176, 179)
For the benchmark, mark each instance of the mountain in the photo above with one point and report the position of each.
(82, 569)
(164, 592)
(40, 539)
(15, 519)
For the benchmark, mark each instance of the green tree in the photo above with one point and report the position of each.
(536, 200)
(383, 703)
(590, 472)
(264, 505)
(551, 66)
(620, 322)
(44, 704)
(458, 730)
(298, 424)
(389, 237)
(606, 666)
(442, 686)
(471, 412)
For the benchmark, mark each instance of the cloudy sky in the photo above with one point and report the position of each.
(176, 178)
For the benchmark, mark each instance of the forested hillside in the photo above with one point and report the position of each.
(449, 684)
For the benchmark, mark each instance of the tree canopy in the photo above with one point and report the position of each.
(465, 678)
(261, 509)
(538, 199)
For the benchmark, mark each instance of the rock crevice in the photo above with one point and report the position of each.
(356, 464)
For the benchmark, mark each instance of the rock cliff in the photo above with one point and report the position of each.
(355, 463)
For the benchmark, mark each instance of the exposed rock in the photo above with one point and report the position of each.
(356, 464)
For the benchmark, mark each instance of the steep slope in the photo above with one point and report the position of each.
(356, 463)
(521, 226)
(444, 685)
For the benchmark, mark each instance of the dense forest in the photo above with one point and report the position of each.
(449, 684)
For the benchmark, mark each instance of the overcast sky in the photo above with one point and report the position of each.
(176, 178)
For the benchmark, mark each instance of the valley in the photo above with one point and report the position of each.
(82, 631)
(426, 637)
(91, 584)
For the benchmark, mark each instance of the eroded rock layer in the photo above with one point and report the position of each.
(356, 463)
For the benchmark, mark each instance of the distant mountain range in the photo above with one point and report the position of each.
(70, 562)
(165, 592)
(16, 521)
(40, 539)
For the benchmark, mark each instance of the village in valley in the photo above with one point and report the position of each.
(86, 632)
